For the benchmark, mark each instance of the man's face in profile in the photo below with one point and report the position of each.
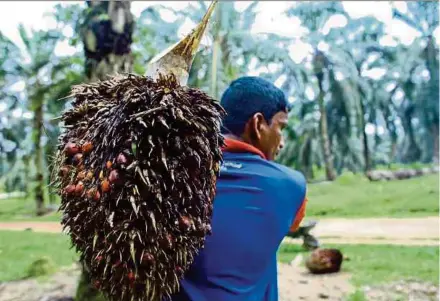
(271, 135)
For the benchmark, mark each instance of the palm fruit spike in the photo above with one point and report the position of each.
(136, 170)
(178, 58)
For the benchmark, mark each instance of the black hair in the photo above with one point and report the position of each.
(247, 96)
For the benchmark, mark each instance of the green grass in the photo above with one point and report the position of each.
(349, 196)
(19, 209)
(375, 264)
(18, 250)
(355, 196)
(358, 295)
(369, 264)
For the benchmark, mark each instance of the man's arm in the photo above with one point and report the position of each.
(297, 186)
(299, 217)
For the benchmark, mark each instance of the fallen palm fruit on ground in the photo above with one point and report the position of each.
(137, 168)
(324, 261)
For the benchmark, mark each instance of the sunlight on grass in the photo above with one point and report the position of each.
(18, 250)
(355, 196)
(374, 264)
(19, 209)
(349, 196)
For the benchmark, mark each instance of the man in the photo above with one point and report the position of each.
(256, 204)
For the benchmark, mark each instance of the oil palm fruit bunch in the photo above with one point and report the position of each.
(324, 261)
(136, 171)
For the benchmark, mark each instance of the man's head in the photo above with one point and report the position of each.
(256, 113)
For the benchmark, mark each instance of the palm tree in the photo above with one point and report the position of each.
(313, 16)
(36, 65)
(404, 72)
(106, 32)
(10, 132)
(351, 47)
(233, 46)
(423, 17)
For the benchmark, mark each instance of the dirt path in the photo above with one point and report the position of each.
(294, 283)
(399, 231)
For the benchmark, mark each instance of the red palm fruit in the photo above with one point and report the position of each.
(109, 164)
(69, 189)
(179, 271)
(185, 223)
(87, 147)
(166, 242)
(89, 176)
(79, 188)
(97, 196)
(121, 159)
(131, 278)
(105, 186)
(71, 149)
(64, 171)
(97, 284)
(114, 176)
(93, 194)
(81, 175)
(147, 259)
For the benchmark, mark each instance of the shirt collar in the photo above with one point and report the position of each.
(236, 146)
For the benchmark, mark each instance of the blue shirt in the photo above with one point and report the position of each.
(254, 207)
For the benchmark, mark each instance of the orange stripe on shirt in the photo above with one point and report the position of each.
(236, 146)
(299, 216)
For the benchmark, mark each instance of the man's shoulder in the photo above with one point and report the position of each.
(250, 164)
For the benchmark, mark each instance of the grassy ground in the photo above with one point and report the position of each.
(18, 250)
(354, 196)
(375, 264)
(17, 209)
(349, 196)
(369, 264)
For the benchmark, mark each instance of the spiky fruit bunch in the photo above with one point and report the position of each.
(323, 261)
(137, 170)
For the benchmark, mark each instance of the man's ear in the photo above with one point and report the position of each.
(257, 124)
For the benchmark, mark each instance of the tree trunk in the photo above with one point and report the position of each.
(107, 42)
(435, 133)
(325, 142)
(215, 57)
(308, 164)
(38, 155)
(28, 180)
(367, 156)
(412, 151)
(393, 152)
(107, 47)
(214, 68)
(433, 95)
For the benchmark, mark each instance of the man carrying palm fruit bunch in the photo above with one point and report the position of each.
(257, 201)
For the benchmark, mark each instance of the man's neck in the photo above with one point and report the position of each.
(233, 137)
(241, 146)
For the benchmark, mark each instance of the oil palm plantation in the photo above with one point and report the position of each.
(424, 18)
(314, 16)
(45, 77)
